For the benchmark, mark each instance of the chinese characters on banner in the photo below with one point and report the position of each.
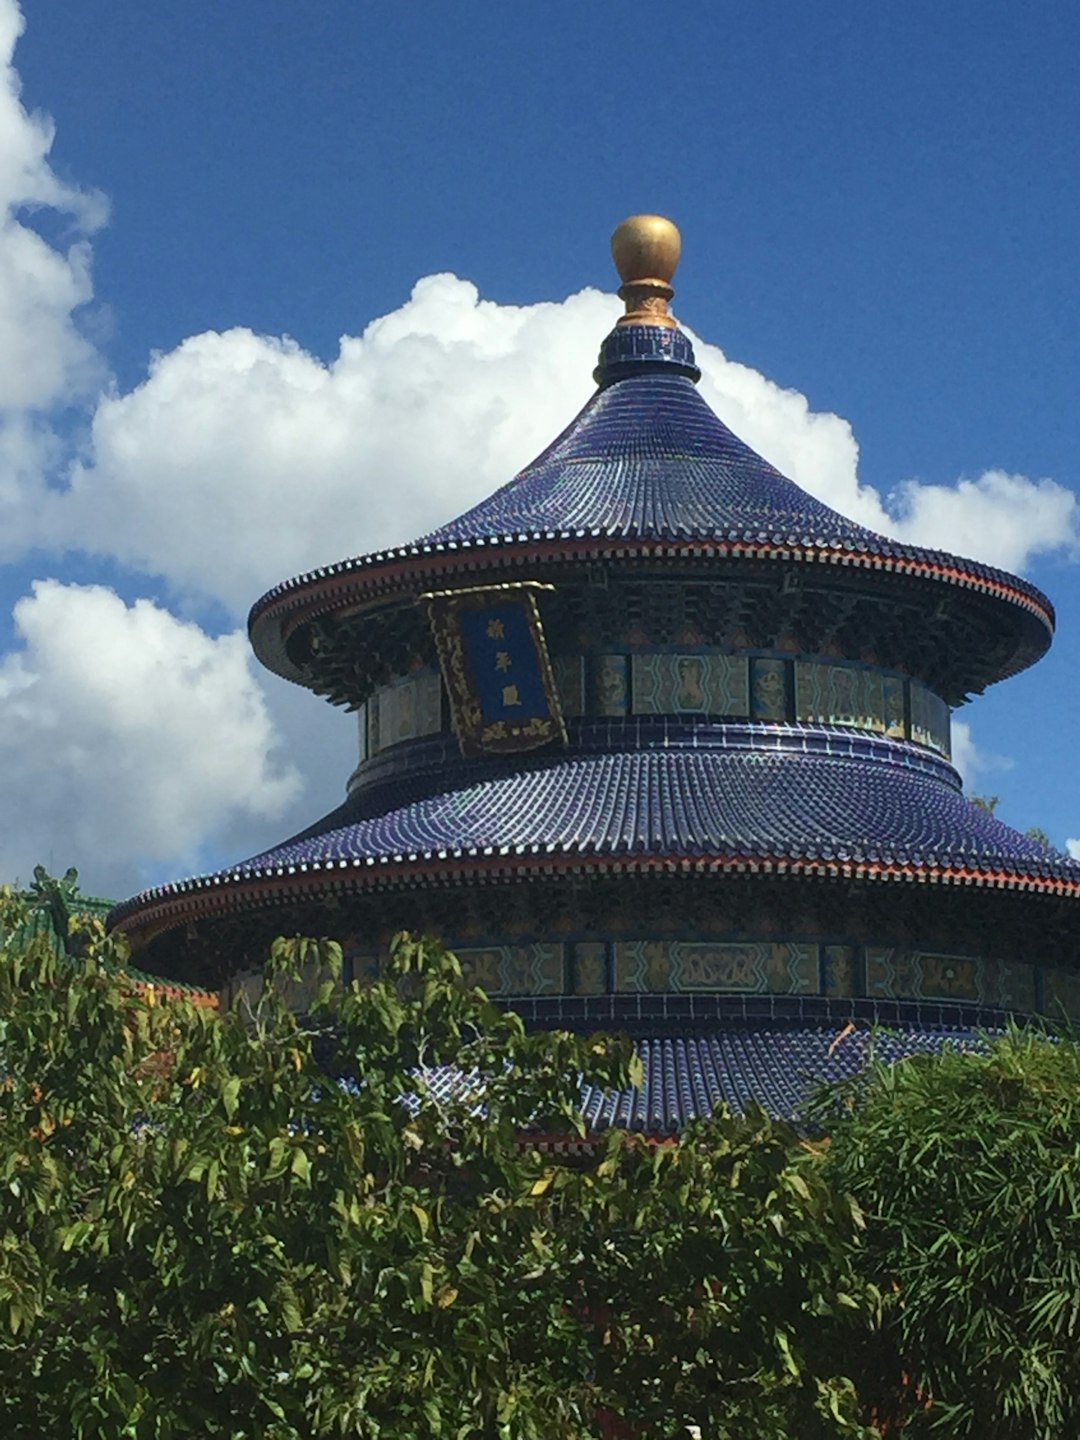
(496, 668)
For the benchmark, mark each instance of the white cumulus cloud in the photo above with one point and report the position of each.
(132, 737)
(1073, 847)
(242, 459)
(45, 360)
(973, 761)
(125, 732)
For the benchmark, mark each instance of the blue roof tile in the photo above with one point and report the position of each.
(777, 1067)
(648, 458)
(860, 808)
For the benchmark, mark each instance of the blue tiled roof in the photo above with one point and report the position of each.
(648, 461)
(864, 807)
(686, 1077)
(649, 458)
(687, 803)
(778, 1068)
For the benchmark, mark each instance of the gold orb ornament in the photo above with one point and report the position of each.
(646, 250)
(646, 247)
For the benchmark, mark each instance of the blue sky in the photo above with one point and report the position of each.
(880, 218)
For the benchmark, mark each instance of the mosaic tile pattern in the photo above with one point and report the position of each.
(514, 969)
(839, 695)
(666, 684)
(406, 710)
(930, 720)
(686, 966)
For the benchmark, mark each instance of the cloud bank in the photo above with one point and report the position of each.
(134, 739)
(242, 459)
(128, 732)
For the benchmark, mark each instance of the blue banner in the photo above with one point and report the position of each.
(496, 668)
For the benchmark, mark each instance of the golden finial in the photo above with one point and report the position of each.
(646, 251)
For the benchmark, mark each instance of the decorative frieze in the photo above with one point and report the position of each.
(590, 962)
(697, 684)
(686, 966)
(611, 685)
(684, 683)
(569, 672)
(655, 966)
(536, 969)
(839, 695)
(770, 689)
(899, 974)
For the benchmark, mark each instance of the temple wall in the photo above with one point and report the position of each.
(753, 967)
(771, 689)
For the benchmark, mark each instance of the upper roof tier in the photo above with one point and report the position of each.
(646, 470)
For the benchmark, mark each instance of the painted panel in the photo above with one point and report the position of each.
(893, 692)
(569, 672)
(926, 975)
(839, 695)
(770, 685)
(642, 965)
(514, 969)
(590, 968)
(839, 970)
(691, 685)
(611, 685)
(930, 720)
(948, 977)
(1009, 985)
(1061, 995)
(889, 973)
(686, 966)
(405, 710)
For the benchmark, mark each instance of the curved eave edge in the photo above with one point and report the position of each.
(213, 896)
(282, 610)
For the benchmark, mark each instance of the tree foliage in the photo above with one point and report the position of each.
(380, 1220)
(204, 1233)
(968, 1167)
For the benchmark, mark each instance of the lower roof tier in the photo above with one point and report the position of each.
(781, 1068)
(814, 805)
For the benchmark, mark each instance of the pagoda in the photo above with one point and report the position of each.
(657, 741)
